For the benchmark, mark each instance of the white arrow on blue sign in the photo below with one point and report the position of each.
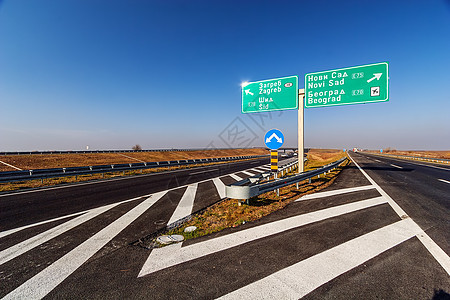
(274, 139)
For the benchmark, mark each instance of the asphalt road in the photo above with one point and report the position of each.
(379, 232)
(22, 208)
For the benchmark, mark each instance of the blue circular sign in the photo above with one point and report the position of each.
(274, 139)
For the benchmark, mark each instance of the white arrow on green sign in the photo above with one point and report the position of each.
(361, 84)
(270, 95)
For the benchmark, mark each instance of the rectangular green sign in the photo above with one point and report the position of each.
(270, 95)
(361, 84)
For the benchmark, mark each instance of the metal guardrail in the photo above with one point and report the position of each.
(109, 151)
(12, 176)
(430, 159)
(252, 186)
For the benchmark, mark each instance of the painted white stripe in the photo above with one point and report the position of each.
(377, 160)
(11, 231)
(27, 245)
(220, 187)
(168, 256)
(235, 177)
(443, 180)
(335, 192)
(441, 257)
(203, 172)
(185, 205)
(10, 165)
(395, 166)
(258, 171)
(264, 168)
(41, 284)
(302, 278)
(248, 173)
(131, 157)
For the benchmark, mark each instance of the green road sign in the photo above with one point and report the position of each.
(361, 84)
(270, 95)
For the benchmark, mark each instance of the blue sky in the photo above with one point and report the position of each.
(162, 74)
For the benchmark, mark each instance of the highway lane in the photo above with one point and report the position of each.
(417, 188)
(22, 208)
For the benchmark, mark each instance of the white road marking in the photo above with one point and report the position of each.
(335, 192)
(42, 283)
(443, 180)
(131, 157)
(185, 205)
(442, 258)
(235, 177)
(202, 172)
(19, 249)
(11, 231)
(395, 166)
(10, 165)
(168, 256)
(256, 170)
(220, 187)
(302, 278)
(248, 173)
(407, 161)
(377, 160)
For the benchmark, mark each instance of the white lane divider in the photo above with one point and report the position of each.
(11, 166)
(185, 205)
(220, 187)
(443, 180)
(302, 278)
(168, 256)
(395, 166)
(42, 283)
(441, 257)
(335, 192)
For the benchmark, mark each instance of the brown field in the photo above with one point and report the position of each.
(33, 162)
(429, 154)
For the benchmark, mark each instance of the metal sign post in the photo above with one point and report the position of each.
(301, 136)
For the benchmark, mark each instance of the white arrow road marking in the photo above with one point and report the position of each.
(274, 135)
(376, 76)
(302, 278)
(442, 258)
(185, 205)
(42, 283)
(168, 256)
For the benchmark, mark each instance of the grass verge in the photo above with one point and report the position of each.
(231, 213)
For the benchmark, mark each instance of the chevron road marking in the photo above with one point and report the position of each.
(302, 278)
(235, 177)
(168, 256)
(41, 284)
(220, 186)
(185, 205)
(335, 192)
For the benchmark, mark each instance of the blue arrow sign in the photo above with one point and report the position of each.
(274, 139)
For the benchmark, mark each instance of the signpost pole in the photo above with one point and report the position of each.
(301, 96)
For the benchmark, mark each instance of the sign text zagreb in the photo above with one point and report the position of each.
(361, 84)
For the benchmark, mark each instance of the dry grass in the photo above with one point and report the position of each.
(47, 161)
(230, 213)
(429, 154)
